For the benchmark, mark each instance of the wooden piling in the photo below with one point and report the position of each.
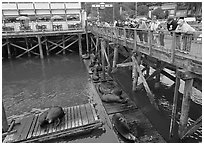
(46, 46)
(87, 38)
(174, 110)
(115, 57)
(4, 119)
(63, 44)
(40, 47)
(80, 45)
(27, 47)
(157, 83)
(8, 48)
(103, 46)
(185, 106)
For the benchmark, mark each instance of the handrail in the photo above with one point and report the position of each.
(163, 44)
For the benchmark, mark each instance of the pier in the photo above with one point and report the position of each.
(181, 53)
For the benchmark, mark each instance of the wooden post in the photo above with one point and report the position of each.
(150, 33)
(63, 44)
(46, 46)
(174, 110)
(87, 37)
(103, 46)
(115, 57)
(185, 106)
(80, 45)
(97, 40)
(173, 47)
(40, 47)
(157, 83)
(135, 40)
(4, 119)
(8, 48)
(26, 40)
(124, 32)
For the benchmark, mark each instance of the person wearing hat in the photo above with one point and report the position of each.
(184, 27)
(171, 24)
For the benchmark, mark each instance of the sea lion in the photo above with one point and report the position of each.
(111, 98)
(55, 113)
(106, 87)
(117, 91)
(121, 126)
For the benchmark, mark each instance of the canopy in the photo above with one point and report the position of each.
(22, 18)
(56, 17)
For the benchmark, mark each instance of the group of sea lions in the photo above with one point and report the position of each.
(52, 115)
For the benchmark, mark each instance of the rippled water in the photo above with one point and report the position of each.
(33, 83)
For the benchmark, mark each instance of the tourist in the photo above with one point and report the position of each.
(154, 27)
(184, 27)
(143, 34)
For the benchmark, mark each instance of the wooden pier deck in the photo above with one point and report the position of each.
(78, 119)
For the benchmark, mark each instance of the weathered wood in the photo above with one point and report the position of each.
(32, 127)
(63, 45)
(135, 40)
(80, 45)
(46, 47)
(76, 117)
(89, 113)
(174, 110)
(134, 77)
(27, 47)
(26, 128)
(191, 129)
(8, 48)
(72, 117)
(69, 117)
(103, 46)
(79, 116)
(149, 93)
(127, 64)
(83, 115)
(150, 33)
(115, 57)
(4, 119)
(40, 47)
(185, 107)
(173, 47)
(157, 83)
(87, 39)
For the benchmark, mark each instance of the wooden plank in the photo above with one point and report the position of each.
(69, 117)
(36, 126)
(50, 128)
(63, 123)
(26, 128)
(79, 115)
(72, 117)
(89, 113)
(84, 116)
(66, 118)
(94, 112)
(76, 117)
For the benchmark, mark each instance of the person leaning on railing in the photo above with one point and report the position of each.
(186, 30)
(143, 35)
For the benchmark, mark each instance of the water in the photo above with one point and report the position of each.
(33, 83)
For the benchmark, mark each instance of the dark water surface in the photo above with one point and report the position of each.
(34, 83)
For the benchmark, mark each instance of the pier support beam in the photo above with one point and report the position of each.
(46, 47)
(185, 106)
(63, 44)
(80, 45)
(115, 57)
(27, 47)
(103, 48)
(40, 47)
(4, 119)
(8, 48)
(157, 83)
(174, 110)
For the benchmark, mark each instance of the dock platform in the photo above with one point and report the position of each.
(78, 119)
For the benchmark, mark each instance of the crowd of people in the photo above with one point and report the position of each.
(171, 24)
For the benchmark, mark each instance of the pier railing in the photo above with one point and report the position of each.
(181, 49)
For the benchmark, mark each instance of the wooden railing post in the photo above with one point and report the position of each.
(135, 40)
(150, 33)
(115, 57)
(125, 35)
(80, 45)
(103, 47)
(173, 47)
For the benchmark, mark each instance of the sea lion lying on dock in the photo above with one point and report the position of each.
(55, 113)
(121, 126)
(111, 98)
